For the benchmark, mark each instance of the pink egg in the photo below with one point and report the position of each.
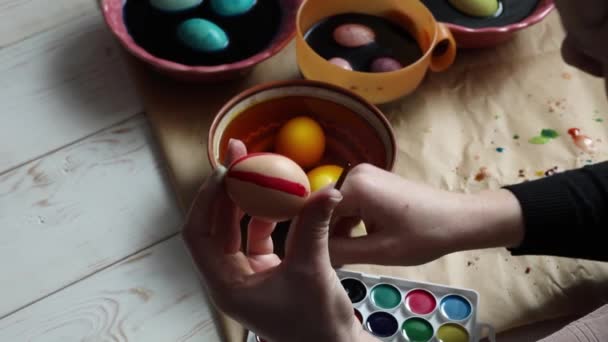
(341, 62)
(354, 35)
(385, 64)
(268, 186)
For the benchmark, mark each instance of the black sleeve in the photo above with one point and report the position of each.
(566, 214)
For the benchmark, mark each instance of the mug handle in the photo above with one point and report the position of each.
(444, 51)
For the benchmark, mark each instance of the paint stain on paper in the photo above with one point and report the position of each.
(551, 171)
(539, 140)
(547, 173)
(556, 105)
(482, 174)
(582, 141)
(546, 135)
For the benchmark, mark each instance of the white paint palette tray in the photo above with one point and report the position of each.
(399, 310)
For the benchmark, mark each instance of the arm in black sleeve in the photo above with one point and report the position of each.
(566, 214)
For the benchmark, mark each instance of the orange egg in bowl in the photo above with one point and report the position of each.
(301, 139)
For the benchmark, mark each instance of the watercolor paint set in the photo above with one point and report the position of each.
(400, 310)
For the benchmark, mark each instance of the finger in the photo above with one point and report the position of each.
(216, 255)
(259, 238)
(227, 224)
(261, 263)
(369, 249)
(307, 241)
(221, 268)
(225, 211)
(350, 206)
(236, 149)
(574, 56)
(222, 272)
(343, 226)
(199, 217)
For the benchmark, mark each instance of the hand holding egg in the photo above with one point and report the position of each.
(239, 280)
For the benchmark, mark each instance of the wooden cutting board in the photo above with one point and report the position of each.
(446, 131)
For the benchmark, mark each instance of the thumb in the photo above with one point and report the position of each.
(308, 237)
(236, 149)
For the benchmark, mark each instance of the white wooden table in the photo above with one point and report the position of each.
(89, 243)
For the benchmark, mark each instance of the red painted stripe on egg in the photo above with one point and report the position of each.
(274, 183)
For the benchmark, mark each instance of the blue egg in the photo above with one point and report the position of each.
(202, 35)
(175, 5)
(229, 8)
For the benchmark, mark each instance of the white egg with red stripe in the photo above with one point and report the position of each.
(268, 186)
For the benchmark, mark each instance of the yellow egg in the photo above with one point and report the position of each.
(322, 176)
(302, 140)
(476, 8)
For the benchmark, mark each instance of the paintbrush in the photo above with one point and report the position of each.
(342, 178)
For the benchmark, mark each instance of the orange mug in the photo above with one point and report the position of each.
(435, 40)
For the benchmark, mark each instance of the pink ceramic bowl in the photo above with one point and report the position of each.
(113, 14)
(468, 38)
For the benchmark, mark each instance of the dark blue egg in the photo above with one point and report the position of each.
(229, 8)
(202, 35)
(175, 5)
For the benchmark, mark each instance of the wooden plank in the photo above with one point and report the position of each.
(59, 86)
(78, 210)
(152, 296)
(22, 19)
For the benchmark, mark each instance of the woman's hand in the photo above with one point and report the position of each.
(297, 299)
(586, 24)
(410, 224)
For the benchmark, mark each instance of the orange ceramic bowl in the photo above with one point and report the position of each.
(355, 130)
(435, 40)
(113, 14)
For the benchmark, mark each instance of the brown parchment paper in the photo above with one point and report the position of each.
(446, 131)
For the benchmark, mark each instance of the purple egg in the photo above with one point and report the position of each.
(385, 64)
(354, 35)
(341, 62)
